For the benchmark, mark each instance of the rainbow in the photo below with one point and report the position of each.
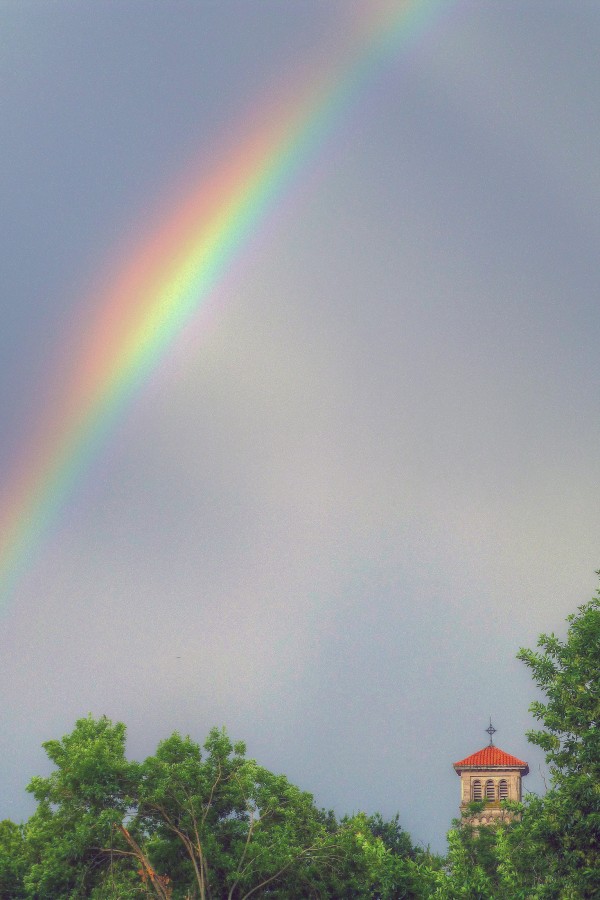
(170, 277)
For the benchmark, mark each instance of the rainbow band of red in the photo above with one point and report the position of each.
(170, 278)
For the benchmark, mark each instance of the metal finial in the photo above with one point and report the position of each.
(491, 731)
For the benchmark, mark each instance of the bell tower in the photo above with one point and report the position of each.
(490, 775)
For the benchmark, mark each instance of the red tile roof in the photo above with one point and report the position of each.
(491, 758)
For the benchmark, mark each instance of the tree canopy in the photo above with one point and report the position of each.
(567, 819)
(188, 822)
(551, 849)
(206, 822)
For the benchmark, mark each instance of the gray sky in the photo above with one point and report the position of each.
(349, 498)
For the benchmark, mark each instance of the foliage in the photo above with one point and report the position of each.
(79, 805)
(207, 822)
(13, 860)
(565, 824)
(189, 822)
(233, 826)
(551, 847)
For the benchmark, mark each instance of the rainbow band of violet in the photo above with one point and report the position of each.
(169, 279)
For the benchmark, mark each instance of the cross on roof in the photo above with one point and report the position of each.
(491, 731)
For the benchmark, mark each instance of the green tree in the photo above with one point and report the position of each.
(190, 822)
(552, 847)
(223, 825)
(393, 836)
(13, 860)
(565, 824)
(398, 872)
(72, 833)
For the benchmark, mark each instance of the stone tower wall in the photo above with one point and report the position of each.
(493, 811)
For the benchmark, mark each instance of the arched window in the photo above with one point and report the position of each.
(503, 789)
(477, 790)
(490, 793)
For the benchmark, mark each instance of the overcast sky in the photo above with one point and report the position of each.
(344, 501)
